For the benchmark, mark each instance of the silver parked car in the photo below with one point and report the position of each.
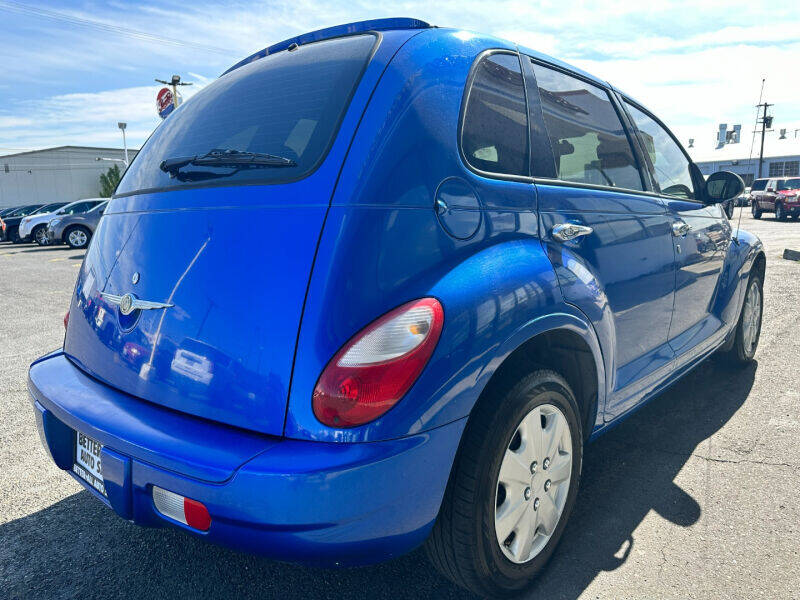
(75, 230)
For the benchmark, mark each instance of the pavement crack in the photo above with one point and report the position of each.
(711, 459)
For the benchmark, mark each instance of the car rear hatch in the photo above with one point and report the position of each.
(192, 290)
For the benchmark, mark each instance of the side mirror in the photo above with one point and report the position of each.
(722, 186)
(770, 189)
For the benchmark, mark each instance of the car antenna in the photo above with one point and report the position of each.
(750, 158)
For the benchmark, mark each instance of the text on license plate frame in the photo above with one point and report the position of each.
(86, 463)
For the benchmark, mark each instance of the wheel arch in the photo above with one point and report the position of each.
(561, 342)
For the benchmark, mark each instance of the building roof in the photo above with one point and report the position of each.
(705, 147)
(59, 148)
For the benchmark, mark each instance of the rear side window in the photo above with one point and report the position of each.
(494, 134)
(586, 134)
(289, 104)
(759, 185)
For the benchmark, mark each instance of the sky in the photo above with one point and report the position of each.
(72, 70)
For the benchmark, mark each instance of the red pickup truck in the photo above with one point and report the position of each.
(780, 195)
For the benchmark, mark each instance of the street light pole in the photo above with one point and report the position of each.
(122, 127)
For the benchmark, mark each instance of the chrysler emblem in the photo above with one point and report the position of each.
(128, 303)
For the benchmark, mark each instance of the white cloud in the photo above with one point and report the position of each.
(86, 118)
(693, 63)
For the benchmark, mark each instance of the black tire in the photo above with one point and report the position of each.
(463, 544)
(39, 235)
(796, 216)
(756, 210)
(780, 212)
(73, 243)
(741, 353)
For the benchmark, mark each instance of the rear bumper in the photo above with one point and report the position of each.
(312, 502)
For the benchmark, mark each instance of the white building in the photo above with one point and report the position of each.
(64, 174)
(730, 150)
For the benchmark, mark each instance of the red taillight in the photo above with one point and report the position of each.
(370, 374)
(66, 320)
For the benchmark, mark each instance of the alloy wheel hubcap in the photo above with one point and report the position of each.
(77, 238)
(751, 317)
(529, 500)
(41, 236)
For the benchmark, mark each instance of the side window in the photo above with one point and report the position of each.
(75, 208)
(586, 134)
(669, 162)
(494, 135)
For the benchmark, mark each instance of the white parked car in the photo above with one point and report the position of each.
(33, 228)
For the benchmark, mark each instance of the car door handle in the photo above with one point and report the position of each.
(565, 232)
(680, 228)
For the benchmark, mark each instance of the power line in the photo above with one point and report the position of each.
(20, 8)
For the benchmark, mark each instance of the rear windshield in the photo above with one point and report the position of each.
(758, 185)
(288, 105)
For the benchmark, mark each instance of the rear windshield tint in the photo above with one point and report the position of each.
(759, 184)
(289, 104)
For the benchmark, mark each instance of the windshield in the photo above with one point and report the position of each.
(789, 184)
(50, 208)
(288, 105)
(23, 211)
(759, 185)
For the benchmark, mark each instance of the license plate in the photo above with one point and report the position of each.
(87, 461)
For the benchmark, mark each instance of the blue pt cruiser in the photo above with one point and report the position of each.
(377, 286)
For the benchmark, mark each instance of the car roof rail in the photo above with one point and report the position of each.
(334, 32)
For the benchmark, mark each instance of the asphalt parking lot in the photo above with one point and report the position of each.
(696, 496)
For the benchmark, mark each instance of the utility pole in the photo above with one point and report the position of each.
(174, 83)
(766, 123)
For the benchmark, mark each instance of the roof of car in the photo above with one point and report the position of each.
(404, 23)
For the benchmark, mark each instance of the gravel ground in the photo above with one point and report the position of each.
(695, 496)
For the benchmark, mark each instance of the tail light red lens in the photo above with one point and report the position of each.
(375, 369)
(66, 320)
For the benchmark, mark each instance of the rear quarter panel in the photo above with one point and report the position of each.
(382, 245)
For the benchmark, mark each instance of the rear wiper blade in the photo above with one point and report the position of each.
(226, 158)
